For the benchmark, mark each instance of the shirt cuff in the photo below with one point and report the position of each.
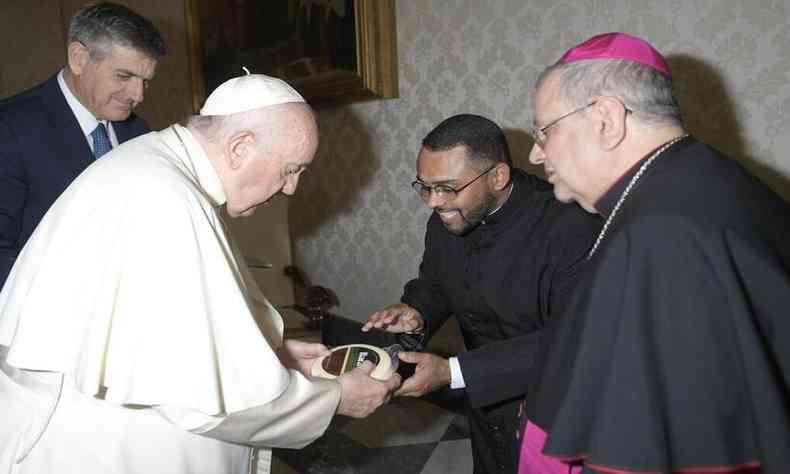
(456, 377)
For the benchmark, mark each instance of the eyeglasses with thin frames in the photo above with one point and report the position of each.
(540, 136)
(442, 190)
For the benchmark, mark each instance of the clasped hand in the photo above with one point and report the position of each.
(432, 372)
(362, 394)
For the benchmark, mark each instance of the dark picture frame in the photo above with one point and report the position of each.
(329, 50)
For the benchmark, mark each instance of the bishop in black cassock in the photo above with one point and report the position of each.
(672, 355)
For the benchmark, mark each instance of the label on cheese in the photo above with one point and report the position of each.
(346, 358)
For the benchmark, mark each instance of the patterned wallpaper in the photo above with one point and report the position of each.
(358, 228)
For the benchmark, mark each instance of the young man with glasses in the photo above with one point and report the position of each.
(52, 132)
(501, 256)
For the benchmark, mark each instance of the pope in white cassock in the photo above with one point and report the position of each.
(133, 339)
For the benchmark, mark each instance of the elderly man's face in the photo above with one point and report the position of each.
(275, 168)
(465, 210)
(567, 153)
(113, 86)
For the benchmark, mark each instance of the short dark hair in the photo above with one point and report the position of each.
(485, 142)
(99, 26)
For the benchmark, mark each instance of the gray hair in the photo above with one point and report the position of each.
(270, 124)
(644, 91)
(100, 26)
(216, 128)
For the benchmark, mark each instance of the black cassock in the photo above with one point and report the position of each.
(502, 281)
(674, 353)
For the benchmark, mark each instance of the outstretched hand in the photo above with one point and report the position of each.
(397, 318)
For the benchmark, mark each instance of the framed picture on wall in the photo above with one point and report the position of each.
(327, 49)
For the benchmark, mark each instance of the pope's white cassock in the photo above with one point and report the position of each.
(133, 339)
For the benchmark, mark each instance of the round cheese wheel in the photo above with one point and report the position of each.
(348, 357)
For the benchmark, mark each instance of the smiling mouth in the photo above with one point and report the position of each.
(125, 104)
(448, 215)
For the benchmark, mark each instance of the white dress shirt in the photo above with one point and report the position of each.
(84, 116)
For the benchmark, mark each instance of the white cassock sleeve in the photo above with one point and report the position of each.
(293, 420)
(131, 286)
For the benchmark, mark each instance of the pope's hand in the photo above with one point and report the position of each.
(300, 355)
(396, 318)
(431, 373)
(361, 394)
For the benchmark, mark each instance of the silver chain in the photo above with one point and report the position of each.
(627, 190)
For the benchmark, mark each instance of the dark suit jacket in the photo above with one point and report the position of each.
(42, 149)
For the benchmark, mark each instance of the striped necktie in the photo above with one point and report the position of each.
(101, 141)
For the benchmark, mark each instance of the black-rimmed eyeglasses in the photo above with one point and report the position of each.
(444, 191)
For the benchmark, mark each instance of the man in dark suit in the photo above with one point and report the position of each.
(501, 256)
(52, 132)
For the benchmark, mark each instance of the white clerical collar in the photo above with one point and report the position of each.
(84, 116)
(194, 157)
(509, 192)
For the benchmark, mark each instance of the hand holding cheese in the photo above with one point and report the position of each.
(361, 393)
(300, 355)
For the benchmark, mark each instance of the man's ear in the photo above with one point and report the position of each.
(239, 149)
(78, 56)
(610, 116)
(501, 176)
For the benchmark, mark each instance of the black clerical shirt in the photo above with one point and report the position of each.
(503, 281)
